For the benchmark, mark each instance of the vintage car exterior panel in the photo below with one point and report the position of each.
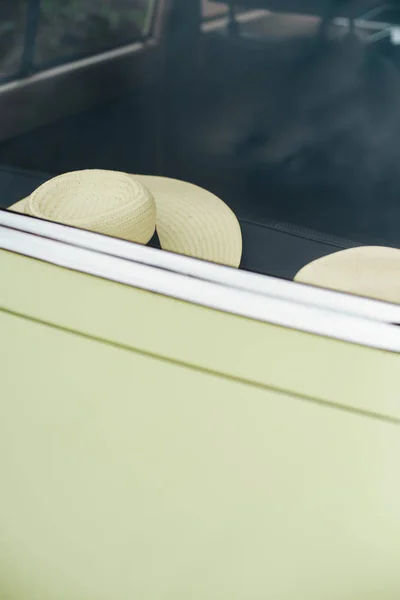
(126, 475)
(350, 375)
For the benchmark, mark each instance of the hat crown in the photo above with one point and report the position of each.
(76, 197)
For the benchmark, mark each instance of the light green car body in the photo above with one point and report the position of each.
(157, 449)
(159, 446)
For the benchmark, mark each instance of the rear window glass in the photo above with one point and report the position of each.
(289, 110)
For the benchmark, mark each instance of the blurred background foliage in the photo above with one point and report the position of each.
(68, 28)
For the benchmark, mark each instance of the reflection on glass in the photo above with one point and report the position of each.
(69, 28)
(292, 121)
(12, 32)
(213, 9)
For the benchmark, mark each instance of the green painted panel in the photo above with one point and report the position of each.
(124, 476)
(311, 366)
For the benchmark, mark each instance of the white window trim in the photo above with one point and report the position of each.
(305, 308)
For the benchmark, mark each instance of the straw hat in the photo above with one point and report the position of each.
(189, 220)
(366, 271)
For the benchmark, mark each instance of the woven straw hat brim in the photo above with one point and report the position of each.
(189, 220)
(194, 222)
(371, 271)
(18, 207)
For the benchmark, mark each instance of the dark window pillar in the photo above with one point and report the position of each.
(183, 37)
(32, 21)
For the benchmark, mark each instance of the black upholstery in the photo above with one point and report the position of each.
(118, 135)
(229, 98)
(16, 184)
(281, 250)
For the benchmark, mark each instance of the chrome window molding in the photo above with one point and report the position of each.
(233, 278)
(221, 22)
(369, 26)
(201, 283)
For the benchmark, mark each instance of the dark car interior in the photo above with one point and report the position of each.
(287, 110)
